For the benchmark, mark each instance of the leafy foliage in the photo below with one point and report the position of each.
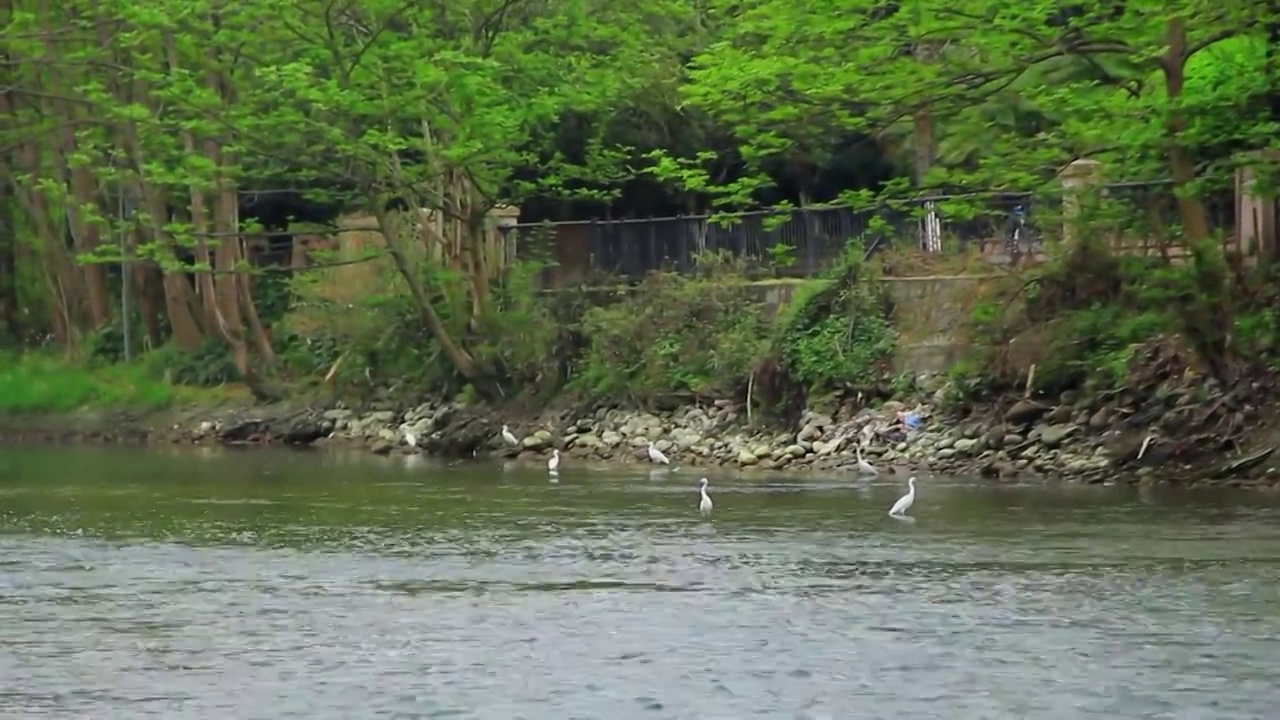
(1017, 89)
(837, 333)
(675, 334)
(36, 383)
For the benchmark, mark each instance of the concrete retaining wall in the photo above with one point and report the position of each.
(929, 314)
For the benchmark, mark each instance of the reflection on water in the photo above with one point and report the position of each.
(263, 584)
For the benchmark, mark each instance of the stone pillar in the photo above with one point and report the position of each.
(502, 236)
(1079, 180)
(1257, 205)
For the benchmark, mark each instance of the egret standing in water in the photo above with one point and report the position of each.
(553, 465)
(507, 437)
(705, 506)
(901, 507)
(655, 455)
(864, 467)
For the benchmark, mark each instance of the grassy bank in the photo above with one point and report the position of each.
(40, 384)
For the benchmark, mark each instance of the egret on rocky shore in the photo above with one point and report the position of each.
(704, 506)
(655, 455)
(553, 465)
(508, 437)
(864, 467)
(901, 507)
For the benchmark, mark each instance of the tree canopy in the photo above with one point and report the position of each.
(136, 129)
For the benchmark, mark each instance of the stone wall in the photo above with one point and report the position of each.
(929, 314)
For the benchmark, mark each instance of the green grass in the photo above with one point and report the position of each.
(44, 384)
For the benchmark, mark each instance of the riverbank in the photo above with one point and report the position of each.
(1179, 429)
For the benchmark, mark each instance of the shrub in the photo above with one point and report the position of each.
(837, 332)
(40, 383)
(675, 334)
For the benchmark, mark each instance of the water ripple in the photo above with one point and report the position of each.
(350, 590)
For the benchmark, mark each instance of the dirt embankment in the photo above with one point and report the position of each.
(1166, 424)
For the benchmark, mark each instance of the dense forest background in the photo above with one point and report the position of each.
(155, 135)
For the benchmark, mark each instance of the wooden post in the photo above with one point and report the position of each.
(1078, 181)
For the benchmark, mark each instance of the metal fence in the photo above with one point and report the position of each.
(805, 242)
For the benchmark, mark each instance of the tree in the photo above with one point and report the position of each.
(1088, 77)
(430, 111)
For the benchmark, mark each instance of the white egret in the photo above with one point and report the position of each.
(704, 507)
(864, 467)
(553, 465)
(508, 437)
(655, 455)
(901, 507)
(411, 440)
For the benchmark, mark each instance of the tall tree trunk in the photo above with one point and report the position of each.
(391, 223)
(180, 302)
(1173, 63)
(78, 180)
(10, 322)
(1273, 60)
(85, 234)
(148, 293)
(63, 281)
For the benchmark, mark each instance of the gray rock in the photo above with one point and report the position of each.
(966, 446)
(1100, 419)
(1024, 412)
(1060, 414)
(587, 442)
(536, 442)
(1052, 436)
(746, 457)
(610, 438)
(794, 451)
(993, 438)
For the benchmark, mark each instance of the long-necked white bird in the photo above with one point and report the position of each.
(411, 440)
(901, 507)
(864, 467)
(507, 437)
(655, 455)
(704, 506)
(553, 465)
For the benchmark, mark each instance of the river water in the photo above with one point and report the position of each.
(275, 584)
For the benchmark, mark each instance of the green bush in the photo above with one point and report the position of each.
(1098, 308)
(529, 334)
(44, 384)
(675, 334)
(837, 332)
(210, 365)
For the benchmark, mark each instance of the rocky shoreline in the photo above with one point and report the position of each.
(1134, 436)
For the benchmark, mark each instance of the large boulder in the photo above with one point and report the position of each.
(460, 434)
